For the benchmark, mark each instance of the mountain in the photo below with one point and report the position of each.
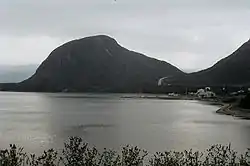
(96, 64)
(233, 70)
(16, 73)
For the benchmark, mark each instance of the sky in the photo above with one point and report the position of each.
(190, 34)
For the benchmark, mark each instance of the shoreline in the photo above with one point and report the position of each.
(230, 109)
(233, 110)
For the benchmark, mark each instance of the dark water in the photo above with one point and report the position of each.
(38, 121)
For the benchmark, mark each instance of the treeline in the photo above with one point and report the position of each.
(78, 153)
(245, 102)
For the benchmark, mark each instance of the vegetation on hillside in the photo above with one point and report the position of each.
(245, 102)
(78, 153)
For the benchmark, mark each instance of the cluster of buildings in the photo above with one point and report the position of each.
(205, 93)
(208, 93)
(201, 93)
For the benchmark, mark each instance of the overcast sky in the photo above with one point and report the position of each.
(191, 34)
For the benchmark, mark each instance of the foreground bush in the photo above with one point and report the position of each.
(78, 153)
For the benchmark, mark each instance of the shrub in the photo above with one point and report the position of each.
(78, 153)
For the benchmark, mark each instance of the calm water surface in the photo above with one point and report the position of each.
(39, 120)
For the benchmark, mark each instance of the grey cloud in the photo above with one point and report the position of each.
(203, 30)
(67, 17)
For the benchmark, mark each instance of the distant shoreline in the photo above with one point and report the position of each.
(226, 108)
(231, 109)
(235, 111)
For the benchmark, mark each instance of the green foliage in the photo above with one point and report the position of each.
(12, 157)
(186, 158)
(245, 102)
(78, 153)
(48, 158)
(74, 152)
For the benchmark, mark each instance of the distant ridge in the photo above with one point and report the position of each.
(16, 73)
(233, 70)
(100, 64)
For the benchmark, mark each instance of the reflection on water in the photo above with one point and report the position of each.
(212, 122)
(42, 120)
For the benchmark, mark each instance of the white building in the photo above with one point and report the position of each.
(205, 93)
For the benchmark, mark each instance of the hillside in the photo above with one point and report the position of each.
(96, 64)
(245, 102)
(233, 70)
